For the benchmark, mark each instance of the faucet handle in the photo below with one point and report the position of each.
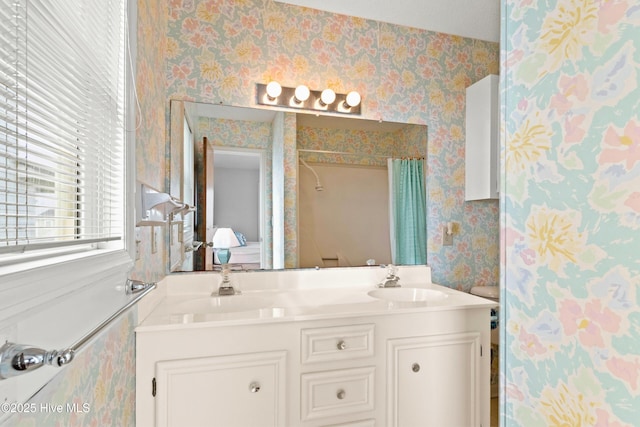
(392, 279)
(392, 271)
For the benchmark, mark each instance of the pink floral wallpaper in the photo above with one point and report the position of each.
(152, 161)
(365, 147)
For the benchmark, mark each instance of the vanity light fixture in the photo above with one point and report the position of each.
(352, 99)
(302, 98)
(273, 90)
(301, 94)
(327, 97)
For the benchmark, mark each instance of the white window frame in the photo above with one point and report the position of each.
(52, 302)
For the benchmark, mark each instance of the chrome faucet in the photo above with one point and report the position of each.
(226, 287)
(392, 279)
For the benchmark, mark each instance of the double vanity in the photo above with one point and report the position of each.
(313, 348)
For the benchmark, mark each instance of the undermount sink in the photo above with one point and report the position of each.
(225, 304)
(408, 294)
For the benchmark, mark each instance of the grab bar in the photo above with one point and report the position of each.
(18, 359)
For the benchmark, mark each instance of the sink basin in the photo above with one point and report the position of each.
(408, 294)
(226, 304)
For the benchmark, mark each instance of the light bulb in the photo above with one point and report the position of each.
(352, 99)
(274, 90)
(302, 93)
(327, 97)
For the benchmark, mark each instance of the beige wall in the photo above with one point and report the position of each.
(349, 220)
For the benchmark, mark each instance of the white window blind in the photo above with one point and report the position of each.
(62, 115)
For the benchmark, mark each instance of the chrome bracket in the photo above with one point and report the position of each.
(16, 359)
(135, 286)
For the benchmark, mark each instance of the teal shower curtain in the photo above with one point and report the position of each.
(407, 211)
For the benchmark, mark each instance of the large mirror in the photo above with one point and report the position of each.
(296, 190)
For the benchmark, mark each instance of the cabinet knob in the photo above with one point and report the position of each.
(254, 387)
(341, 394)
(341, 345)
(415, 367)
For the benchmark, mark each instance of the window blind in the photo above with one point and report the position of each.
(62, 115)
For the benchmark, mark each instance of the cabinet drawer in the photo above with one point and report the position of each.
(336, 343)
(331, 393)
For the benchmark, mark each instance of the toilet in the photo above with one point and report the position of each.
(492, 293)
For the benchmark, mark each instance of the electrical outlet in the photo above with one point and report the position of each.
(447, 239)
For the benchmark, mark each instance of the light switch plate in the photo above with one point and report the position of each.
(447, 239)
(155, 236)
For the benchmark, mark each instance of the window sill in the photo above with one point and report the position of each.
(54, 304)
(31, 285)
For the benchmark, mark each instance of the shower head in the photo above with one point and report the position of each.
(319, 186)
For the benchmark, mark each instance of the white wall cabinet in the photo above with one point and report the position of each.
(482, 172)
(427, 368)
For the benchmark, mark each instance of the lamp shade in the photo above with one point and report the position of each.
(225, 238)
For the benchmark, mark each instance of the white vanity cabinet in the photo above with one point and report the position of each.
(422, 392)
(235, 390)
(214, 376)
(415, 368)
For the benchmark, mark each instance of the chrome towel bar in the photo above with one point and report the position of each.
(17, 359)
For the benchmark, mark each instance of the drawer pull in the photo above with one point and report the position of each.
(341, 345)
(341, 394)
(415, 367)
(254, 387)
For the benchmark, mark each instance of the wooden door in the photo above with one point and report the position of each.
(203, 259)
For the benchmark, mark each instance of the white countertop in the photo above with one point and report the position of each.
(184, 301)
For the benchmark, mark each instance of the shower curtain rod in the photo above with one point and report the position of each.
(342, 152)
(383, 156)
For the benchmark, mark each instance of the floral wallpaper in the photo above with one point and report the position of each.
(218, 50)
(365, 147)
(290, 192)
(571, 213)
(152, 160)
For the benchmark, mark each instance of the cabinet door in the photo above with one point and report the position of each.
(240, 390)
(434, 381)
(482, 168)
